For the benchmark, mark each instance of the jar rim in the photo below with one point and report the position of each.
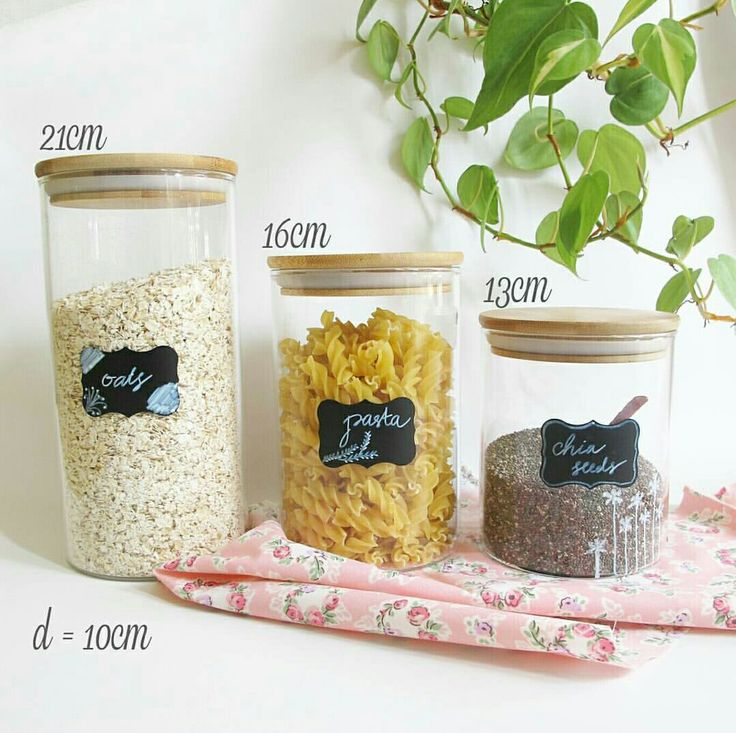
(132, 163)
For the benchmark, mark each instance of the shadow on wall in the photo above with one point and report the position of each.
(31, 515)
(717, 51)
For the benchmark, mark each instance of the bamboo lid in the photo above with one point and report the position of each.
(130, 163)
(579, 322)
(372, 261)
(136, 198)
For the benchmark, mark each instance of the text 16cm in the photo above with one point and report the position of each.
(296, 235)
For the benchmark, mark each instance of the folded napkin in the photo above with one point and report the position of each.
(471, 599)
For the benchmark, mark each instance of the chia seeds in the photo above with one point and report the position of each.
(570, 530)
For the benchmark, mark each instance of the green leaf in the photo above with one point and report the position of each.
(529, 149)
(399, 92)
(548, 228)
(675, 290)
(547, 232)
(638, 96)
(516, 30)
(686, 233)
(561, 57)
(416, 150)
(477, 190)
(617, 214)
(365, 7)
(383, 49)
(668, 50)
(632, 10)
(458, 107)
(616, 151)
(579, 213)
(723, 271)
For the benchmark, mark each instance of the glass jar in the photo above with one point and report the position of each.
(576, 438)
(140, 287)
(367, 353)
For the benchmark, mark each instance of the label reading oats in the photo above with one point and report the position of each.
(128, 382)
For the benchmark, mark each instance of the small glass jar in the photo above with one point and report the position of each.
(140, 288)
(576, 438)
(366, 349)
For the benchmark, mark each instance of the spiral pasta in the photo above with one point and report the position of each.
(387, 514)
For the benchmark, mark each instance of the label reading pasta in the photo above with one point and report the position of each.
(366, 433)
(589, 454)
(129, 382)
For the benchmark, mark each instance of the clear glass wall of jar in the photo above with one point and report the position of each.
(139, 262)
(575, 443)
(366, 349)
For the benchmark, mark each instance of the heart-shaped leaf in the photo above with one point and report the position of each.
(383, 49)
(638, 96)
(617, 152)
(579, 213)
(529, 148)
(547, 233)
(516, 30)
(416, 150)
(365, 7)
(458, 107)
(618, 215)
(686, 233)
(561, 57)
(668, 51)
(632, 10)
(675, 290)
(723, 271)
(477, 190)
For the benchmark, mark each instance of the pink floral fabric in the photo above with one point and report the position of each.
(471, 599)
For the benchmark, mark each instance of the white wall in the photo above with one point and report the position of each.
(283, 89)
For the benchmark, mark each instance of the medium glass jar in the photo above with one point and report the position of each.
(140, 289)
(366, 349)
(576, 438)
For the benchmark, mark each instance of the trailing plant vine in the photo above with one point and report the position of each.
(532, 49)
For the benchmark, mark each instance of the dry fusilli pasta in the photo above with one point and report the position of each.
(393, 515)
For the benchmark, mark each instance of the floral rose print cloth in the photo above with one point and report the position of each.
(469, 599)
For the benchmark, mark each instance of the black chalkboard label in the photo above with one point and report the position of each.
(590, 454)
(366, 433)
(128, 382)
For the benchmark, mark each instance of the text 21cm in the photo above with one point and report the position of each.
(504, 291)
(73, 137)
(296, 235)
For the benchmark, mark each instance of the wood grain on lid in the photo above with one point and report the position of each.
(111, 163)
(579, 322)
(372, 261)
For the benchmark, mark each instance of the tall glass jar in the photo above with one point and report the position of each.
(366, 349)
(139, 264)
(576, 438)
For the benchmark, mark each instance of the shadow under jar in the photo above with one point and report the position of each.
(575, 444)
(366, 350)
(141, 298)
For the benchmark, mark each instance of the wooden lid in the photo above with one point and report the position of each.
(373, 261)
(127, 163)
(579, 322)
(136, 198)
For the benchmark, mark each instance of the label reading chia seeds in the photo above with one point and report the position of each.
(128, 382)
(366, 433)
(590, 454)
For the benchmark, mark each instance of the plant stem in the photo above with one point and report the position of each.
(555, 145)
(702, 118)
(714, 8)
(438, 133)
